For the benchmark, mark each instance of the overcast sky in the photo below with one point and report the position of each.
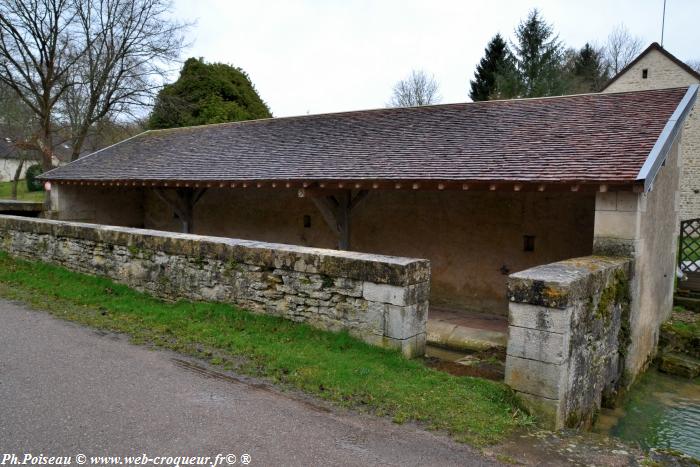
(320, 56)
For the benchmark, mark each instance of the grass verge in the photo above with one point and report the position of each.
(22, 193)
(332, 366)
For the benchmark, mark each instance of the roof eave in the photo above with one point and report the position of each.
(657, 155)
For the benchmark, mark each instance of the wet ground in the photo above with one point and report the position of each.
(657, 424)
(661, 411)
(489, 364)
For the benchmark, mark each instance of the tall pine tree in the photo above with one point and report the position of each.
(495, 60)
(589, 70)
(538, 61)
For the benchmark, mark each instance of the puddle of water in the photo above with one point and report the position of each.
(485, 364)
(661, 411)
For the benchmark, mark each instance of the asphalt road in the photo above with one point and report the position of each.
(66, 390)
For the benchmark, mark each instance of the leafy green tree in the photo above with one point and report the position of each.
(207, 93)
(587, 70)
(496, 60)
(538, 57)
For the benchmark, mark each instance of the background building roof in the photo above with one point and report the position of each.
(654, 46)
(603, 138)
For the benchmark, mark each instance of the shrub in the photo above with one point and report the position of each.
(34, 184)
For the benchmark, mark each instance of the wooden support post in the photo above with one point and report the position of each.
(182, 203)
(336, 210)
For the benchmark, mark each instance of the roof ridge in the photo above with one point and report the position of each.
(395, 109)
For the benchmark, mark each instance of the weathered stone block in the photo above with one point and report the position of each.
(627, 201)
(549, 411)
(616, 224)
(403, 322)
(680, 365)
(533, 344)
(539, 317)
(606, 201)
(410, 348)
(535, 377)
(384, 293)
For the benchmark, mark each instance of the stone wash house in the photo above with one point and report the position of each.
(656, 68)
(499, 196)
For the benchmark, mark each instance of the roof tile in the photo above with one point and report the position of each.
(586, 138)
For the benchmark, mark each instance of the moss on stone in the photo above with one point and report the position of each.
(327, 282)
(681, 333)
(232, 266)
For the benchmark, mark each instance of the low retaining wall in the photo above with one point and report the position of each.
(380, 299)
(568, 334)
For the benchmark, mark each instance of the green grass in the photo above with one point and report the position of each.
(332, 366)
(22, 193)
(684, 323)
(690, 249)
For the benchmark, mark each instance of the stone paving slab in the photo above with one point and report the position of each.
(464, 330)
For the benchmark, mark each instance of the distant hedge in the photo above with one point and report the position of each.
(34, 184)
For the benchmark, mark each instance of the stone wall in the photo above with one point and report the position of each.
(569, 328)
(664, 73)
(472, 239)
(380, 299)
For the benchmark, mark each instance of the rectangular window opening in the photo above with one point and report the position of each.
(307, 221)
(528, 243)
(645, 73)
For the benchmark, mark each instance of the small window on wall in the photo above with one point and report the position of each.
(307, 221)
(645, 73)
(528, 243)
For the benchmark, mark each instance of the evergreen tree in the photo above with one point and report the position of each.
(589, 69)
(496, 60)
(207, 93)
(538, 61)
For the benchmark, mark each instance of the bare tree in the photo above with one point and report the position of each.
(621, 48)
(128, 46)
(77, 62)
(694, 64)
(17, 127)
(33, 37)
(417, 89)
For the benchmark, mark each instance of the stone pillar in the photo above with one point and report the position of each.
(644, 227)
(567, 329)
(405, 314)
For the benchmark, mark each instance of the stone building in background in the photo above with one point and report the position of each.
(656, 68)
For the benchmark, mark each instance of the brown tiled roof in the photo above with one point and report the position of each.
(583, 138)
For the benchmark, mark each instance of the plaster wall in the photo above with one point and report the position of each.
(100, 205)
(472, 239)
(664, 73)
(644, 226)
(8, 167)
